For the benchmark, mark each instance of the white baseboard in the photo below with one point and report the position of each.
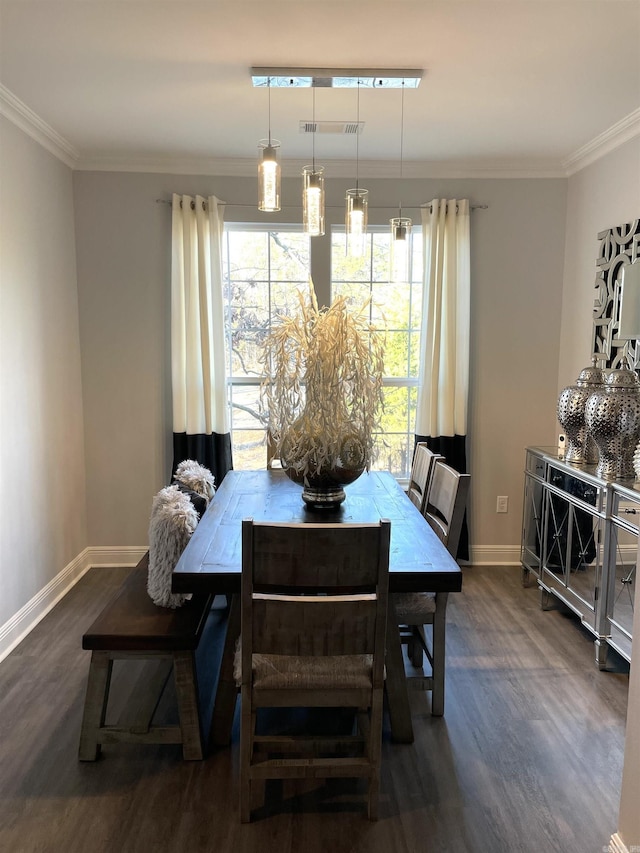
(616, 845)
(495, 555)
(17, 628)
(509, 555)
(108, 557)
(25, 620)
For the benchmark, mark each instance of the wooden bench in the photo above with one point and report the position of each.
(131, 626)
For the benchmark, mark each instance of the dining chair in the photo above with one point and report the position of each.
(421, 470)
(313, 618)
(444, 508)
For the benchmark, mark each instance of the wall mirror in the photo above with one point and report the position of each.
(629, 328)
(618, 259)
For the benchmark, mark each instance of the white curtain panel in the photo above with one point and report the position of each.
(197, 317)
(444, 341)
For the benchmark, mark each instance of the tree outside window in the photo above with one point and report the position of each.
(263, 270)
(396, 308)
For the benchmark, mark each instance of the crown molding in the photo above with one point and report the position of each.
(23, 117)
(28, 121)
(333, 168)
(619, 133)
(171, 165)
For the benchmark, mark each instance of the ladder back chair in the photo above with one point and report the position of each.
(444, 509)
(421, 470)
(314, 603)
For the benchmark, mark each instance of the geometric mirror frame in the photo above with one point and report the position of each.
(618, 246)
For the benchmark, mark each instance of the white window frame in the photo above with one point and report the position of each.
(406, 381)
(240, 381)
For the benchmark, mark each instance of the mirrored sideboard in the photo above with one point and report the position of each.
(580, 541)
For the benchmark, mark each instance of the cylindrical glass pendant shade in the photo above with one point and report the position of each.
(399, 249)
(355, 223)
(269, 176)
(313, 200)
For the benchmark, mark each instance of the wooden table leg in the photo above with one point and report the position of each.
(226, 691)
(396, 683)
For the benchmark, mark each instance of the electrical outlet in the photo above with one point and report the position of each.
(502, 503)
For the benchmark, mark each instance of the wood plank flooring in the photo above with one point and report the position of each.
(528, 756)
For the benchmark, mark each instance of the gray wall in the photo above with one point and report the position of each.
(42, 499)
(603, 195)
(123, 239)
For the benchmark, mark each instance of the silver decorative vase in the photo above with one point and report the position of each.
(323, 485)
(612, 416)
(581, 448)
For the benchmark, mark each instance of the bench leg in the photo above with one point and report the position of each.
(95, 705)
(187, 690)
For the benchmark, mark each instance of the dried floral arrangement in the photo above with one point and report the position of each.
(322, 389)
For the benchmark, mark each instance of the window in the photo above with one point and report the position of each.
(262, 272)
(397, 309)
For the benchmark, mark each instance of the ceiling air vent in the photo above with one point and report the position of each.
(347, 128)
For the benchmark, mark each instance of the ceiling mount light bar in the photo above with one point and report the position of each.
(337, 78)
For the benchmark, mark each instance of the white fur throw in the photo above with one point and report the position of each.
(173, 520)
(196, 477)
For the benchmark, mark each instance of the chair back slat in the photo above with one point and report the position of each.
(317, 626)
(445, 503)
(439, 527)
(314, 589)
(297, 555)
(421, 471)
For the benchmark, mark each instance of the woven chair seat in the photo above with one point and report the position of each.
(414, 608)
(284, 672)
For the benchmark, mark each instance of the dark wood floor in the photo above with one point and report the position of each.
(527, 758)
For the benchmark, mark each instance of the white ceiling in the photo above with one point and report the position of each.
(508, 85)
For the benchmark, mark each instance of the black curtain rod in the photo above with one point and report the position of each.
(329, 206)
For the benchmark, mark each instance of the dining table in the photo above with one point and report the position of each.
(212, 562)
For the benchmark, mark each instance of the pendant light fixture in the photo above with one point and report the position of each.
(269, 170)
(313, 190)
(357, 203)
(400, 226)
